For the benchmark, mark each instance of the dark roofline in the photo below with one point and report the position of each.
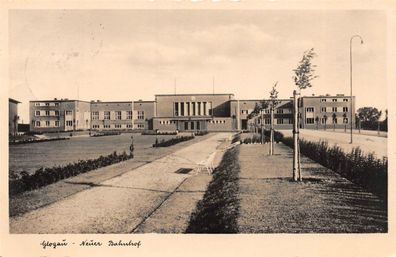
(59, 100)
(13, 101)
(144, 101)
(208, 94)
(257, 100)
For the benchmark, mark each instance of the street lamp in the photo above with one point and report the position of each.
(350, 62)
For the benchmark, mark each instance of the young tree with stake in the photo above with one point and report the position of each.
(303, 75)
(273, 102)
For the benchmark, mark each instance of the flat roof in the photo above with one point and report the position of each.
(59, 100)
(110, 102)
(327, 96)
(208, 94)
(13, 101)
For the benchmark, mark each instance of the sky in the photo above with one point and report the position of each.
(135, 54)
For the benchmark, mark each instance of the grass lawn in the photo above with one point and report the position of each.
(30, 157)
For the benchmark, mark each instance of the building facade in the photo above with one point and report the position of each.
(189, 112)
(319, 112)
(13, 116)
(59, 115)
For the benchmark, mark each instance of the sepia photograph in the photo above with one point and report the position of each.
(197, 121)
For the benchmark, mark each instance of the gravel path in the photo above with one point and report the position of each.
(323, 203)
(133, 201)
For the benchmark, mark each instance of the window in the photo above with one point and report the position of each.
(345, 120)
(267, 121)
(279, 121)
(56, 113)
(47, 123)
(334, 100)
(38, 123)
(141, 126)
(345, 109)
(280, 111)
(95, 126)
(335, 120)
(56, 104)
(47, 113)
(37, 113)
(323, 120)
(129, 125)
(323, 109)
(118, 115)
(36, 104)
(69, 112)
(309, 109)
(129, 115)
(95, 115)
(192, 124)
(69, 123)
(199, 108)
(310, 121)
(107, 115)
(334, 109)
(57, 123)
(267, 111)
(47, 104)
(193, 108)
(290, 121)
(140, 115)
(204, 108)
(323, 100)
(345, 100)
(176, 109)
(106, 126)
(117, 125)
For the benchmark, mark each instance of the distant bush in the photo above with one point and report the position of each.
(362, 169)
(171, 141)
(154, 133)
(30, 140)
(201, 133)
(256, 138)
(23, 181)
(107, 133)
(236, 138)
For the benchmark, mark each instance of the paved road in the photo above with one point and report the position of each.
(133, 201)
(323, 203)
(368, 143)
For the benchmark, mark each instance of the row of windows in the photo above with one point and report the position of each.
(276, 121)
(192, 108)
(117, 115)
(334, 100)
(52, 123)
(46, 104)
(167, 122)
(217, 121)
(323, 120)
(267, 111)
(327, 109)
(51, 113)
(116, 126)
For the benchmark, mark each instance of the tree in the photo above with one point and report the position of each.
(273, 102)
(325, 121)
(317, 122)
(369, 117)
(334, 116)
(303, 75)
(258, 110)
(345, 120)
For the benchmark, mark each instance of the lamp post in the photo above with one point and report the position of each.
(350, 62)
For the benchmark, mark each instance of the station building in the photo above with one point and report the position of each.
(188, 112)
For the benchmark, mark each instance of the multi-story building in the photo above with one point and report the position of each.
(188, 112)
(59, 115)
(143, 114)
(327, 110)
(111, 115)
(191, 112)
(13, 116)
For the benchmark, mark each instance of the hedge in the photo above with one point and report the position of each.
(256, 139)
(171, 141)
(201, 133)
(362, 169)
(110, 133)
(30, 141)
(23, 181)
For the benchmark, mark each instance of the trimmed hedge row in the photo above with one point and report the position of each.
(171, 141)
(256, 139)
(154, 133)
(362, 169)
(23, 181)
(201, 133)
(30, 141)
(102, 134)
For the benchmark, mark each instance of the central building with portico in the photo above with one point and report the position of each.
(193, 112)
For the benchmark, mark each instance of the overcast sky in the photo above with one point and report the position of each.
(135, 54)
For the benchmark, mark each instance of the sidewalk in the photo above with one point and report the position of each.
(323, 203)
